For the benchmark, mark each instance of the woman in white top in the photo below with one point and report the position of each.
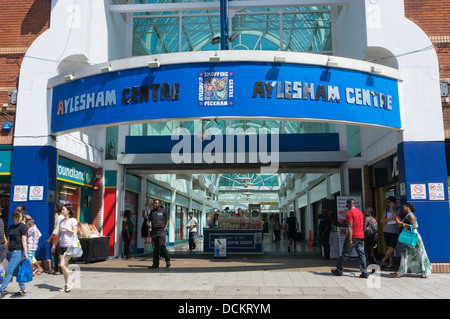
(67, 234)
(390, 232)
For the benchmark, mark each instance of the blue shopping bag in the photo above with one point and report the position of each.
(25, 274)
(408, 237)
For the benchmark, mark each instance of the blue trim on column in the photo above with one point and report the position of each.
(36, 166)
(424, 163)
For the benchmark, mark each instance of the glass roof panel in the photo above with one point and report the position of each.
(298, 29)
(245, 180)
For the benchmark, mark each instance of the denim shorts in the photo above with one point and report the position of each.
(62, 250)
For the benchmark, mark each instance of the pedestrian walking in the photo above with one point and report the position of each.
(127, 232)
(354, 240)
(67, 235)
(158, 223)
(192, 228)
(16, 249)
(32, 245)
(413, 259)
(58, 218)
(271, 229)
(277, 230)
(3, 239)
(390, 232)
(324, 234)
(370, 235)
(292, 227)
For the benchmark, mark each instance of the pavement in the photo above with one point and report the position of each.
(199, 276)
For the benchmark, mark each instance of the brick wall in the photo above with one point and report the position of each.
(21, 22)
(433, 16)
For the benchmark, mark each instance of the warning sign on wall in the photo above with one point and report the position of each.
(20, 193)
(436, 191)
(36, 192)
(418, 191)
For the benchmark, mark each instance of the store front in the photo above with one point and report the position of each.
(371, 106)
(5, 182)
(74, 186)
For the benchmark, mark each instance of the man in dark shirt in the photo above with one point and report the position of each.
(158, 223)
(292, 226)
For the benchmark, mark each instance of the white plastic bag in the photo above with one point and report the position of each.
(74, 250)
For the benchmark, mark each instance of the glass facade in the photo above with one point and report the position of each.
(298, 29)
(238, 126)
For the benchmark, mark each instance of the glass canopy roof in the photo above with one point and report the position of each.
(276, 27)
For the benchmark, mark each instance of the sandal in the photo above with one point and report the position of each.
(20, 293)
(422, 276)
(396, 275)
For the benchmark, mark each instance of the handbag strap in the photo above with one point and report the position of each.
(406, 217)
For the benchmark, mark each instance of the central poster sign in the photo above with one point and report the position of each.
(228, 89)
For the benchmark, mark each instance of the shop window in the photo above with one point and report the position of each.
(355, 182)
(353, 141)
(69, 194)
(112, 136)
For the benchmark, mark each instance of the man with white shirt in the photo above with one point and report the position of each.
(192, 227)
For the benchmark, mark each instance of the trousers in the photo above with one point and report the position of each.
(358, 244)
(159, 248)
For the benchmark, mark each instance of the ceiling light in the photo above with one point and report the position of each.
(215, 40)
(234, 36)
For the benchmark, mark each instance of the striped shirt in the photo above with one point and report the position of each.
(33, 237)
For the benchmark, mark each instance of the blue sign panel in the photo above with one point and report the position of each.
(236, 240)
(228, 89)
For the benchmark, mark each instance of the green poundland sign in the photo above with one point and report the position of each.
(76, 173)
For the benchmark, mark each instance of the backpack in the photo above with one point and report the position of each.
(144, 229)
(370, 231)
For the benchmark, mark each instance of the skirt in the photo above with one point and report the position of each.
(415, 259)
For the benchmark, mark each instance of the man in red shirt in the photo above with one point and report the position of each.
(354, 239)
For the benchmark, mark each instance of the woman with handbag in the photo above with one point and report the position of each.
(67, 236)
(16, 249)
(370, 235)
(414, 259)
